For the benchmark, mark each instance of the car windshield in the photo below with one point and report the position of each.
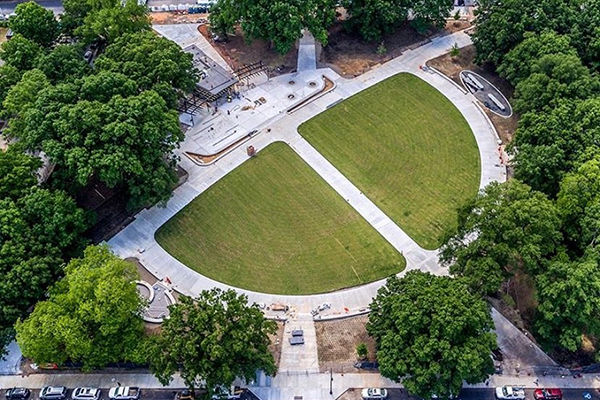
(505, 391)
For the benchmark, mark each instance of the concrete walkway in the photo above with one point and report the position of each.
(137, 239)
(307, 54)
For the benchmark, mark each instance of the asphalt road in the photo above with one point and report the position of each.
(7, 7)
(147, 394)
(488, 394)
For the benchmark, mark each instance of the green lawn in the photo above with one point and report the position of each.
(273, 225)
(405, 146)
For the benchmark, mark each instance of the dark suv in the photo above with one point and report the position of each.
(18, 394)
(53, 393)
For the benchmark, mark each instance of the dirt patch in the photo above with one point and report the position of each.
(451, 67)
(337, 340)
(237, 52)
(169, 17)
(3, 32)
(276, 341)
(350, 56)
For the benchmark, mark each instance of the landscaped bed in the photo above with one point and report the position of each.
(406, 146)
(273, 225)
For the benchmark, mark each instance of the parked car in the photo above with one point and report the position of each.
(374, 393)
(53, 393)
(547, 394)
(510, 393)
(18, 393)
(184, 395)
(86, 393)
(124, 393)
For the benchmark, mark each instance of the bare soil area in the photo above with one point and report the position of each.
(276, 341)
(451, 67)
(350, 56)
(337, 340)
(237, 52)
(170, 17)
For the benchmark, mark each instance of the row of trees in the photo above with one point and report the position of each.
(281, 22)
(544, 223)
(93, 316)
(114, 122)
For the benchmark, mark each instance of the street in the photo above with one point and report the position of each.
(488, 394)
(7, 7)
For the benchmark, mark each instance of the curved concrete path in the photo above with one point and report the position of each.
(137, 239)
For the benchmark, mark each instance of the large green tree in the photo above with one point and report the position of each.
(153, 62)
(548, 144)
(517, 63)
(579, 204)
(126, 141)
(35, 22)
(506, 227)
(212, 339)
(107, 20)
(25, 92)
(92, 315)
(373, 19)
(501, 25)
(20, 52)
(568, 295)
(9, 76)
(39, 231)
(280, 22)
(554, 77)
(17, 173)
(63, 63)
(427, 13)
(431, 333)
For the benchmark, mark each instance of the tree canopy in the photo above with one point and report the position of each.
(38, 232)
(506, 227)
(373, 19)
(153, 62)
(554, 77)
(431, 333)
(502, 25)
(124, 141)
(35, 23)
(517, 63)
(579, 204)
(212, 339)
(549, 144)
(63, 63)
(20, 52)
(568, 296)
(107, 20)
(17, 173)
(92, 315)
(280, 22)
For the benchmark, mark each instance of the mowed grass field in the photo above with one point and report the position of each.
(273, 225)
(406, 146)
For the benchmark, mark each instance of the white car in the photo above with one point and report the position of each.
(510, 393)
(86, 393)
(374, 393)
(124, 393)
